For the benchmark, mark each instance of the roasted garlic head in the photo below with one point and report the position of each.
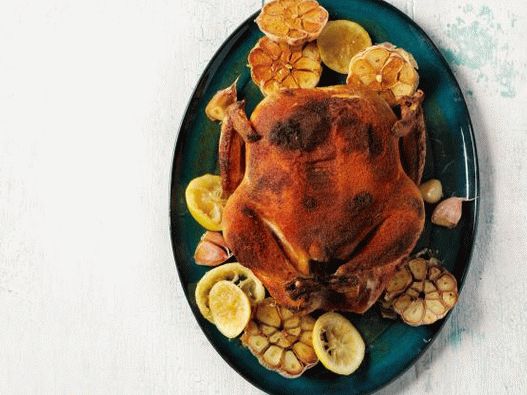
(281, 340)
(421, 292)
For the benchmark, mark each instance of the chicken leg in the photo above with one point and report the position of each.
(259, 250)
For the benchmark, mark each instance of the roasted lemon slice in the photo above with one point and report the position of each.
(337, 343)
(277, 65)
(339, 42)
(230, 308)
(294, 22)
(385, 69)
(237, 274)
(203, 196)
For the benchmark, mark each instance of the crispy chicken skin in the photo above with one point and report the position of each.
(319, 204)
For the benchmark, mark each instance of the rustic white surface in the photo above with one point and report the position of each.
(91, 95)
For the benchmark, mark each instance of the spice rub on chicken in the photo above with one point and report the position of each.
(322, 203)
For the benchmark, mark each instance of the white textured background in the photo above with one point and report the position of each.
(91, 95)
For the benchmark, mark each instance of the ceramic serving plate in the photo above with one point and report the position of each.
(392, 347)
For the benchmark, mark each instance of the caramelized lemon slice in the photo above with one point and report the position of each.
(230, 308)
(235, 273)
(203, 196)
(338, 344)
(339, 42)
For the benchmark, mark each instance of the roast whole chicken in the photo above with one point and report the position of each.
(322, 203)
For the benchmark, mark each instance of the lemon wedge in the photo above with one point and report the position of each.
(230, 308)
(203, 197)
(339, 42)
(338, 345)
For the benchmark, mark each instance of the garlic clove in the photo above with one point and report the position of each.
(448, 212)
(212, 250)
(214, 237)
(431, 191)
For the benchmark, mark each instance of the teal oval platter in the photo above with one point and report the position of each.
(392, 347)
